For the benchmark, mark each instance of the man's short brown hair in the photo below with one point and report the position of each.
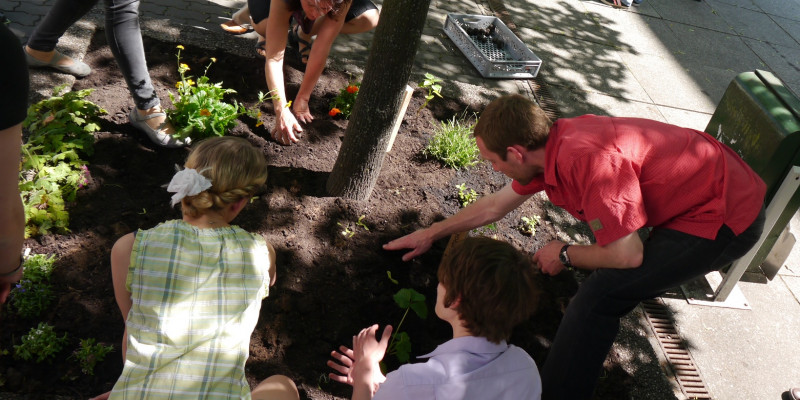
(510, 120)
(494, 283)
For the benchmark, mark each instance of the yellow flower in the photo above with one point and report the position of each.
(289, 104)
(184, 67)
(179, 47)
(259, 123)
(213, 59)
(204, 112)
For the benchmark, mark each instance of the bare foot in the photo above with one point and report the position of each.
(156, 122)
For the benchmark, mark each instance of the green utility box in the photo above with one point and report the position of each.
(759, 118)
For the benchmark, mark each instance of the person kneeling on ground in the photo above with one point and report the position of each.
(190, 290)
(486, 287)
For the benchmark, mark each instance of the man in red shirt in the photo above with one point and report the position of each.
(704, 203)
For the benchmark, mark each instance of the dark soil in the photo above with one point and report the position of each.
(329, 286)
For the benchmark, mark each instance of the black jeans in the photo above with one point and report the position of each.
(123, 34)
(591, 322)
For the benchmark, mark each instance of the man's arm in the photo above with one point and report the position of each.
(625, 252)
(486, 210)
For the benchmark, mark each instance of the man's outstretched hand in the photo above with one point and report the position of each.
(418, 242)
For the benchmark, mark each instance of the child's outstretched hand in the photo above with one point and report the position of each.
(359, 366)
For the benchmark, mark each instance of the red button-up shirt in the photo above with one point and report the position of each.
(622, 174)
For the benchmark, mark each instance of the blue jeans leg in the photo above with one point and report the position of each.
(125, 40)
(591, 322)
(61, 16)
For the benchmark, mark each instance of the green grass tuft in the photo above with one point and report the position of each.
(453, 144)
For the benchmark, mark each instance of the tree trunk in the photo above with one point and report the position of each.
(391, 57)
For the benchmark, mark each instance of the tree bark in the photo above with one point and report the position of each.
(391, 58)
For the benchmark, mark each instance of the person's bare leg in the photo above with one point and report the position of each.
(365, 22)
(276, 387)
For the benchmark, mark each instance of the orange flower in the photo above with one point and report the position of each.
(352, 89)
(334, 111)
(204, 112)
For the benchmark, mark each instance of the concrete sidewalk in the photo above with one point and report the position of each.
(667, 60)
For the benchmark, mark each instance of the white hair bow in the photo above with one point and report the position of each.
(187, 182)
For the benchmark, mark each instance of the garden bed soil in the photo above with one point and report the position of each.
(329, 285)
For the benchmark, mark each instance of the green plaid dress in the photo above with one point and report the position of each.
(196, 299)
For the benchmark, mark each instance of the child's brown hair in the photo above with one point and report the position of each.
(494, 283)
(235, 168)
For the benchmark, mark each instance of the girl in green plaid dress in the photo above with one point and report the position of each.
(190, 290)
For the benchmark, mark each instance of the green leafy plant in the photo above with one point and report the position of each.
(466, 196)
(348, 231)
(452, 144)
(89, 354)
(59, 134)
(407, 299)
(432, 85)
(200, 111)
(527, 225)
(343, 103)
(41, 343)
(33, 294)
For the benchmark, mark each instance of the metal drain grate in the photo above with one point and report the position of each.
(679, 358)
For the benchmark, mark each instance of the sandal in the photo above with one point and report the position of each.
(261, 49)
(77, 68)
(158, 137)
(295, 41)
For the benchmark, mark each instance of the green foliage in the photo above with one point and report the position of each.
(200, 111)
(89, 354)
(343, 102)
(33, 294)
(466, 196)
(452, 143)
(431, 84)
(407, 299)
(40, 343)
(60, 133)
(528, 225)
(348, 231)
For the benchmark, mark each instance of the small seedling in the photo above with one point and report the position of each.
(361, 223)
(431, 84)
(40, 343)
(89, 354)
(407, 299)
(346, 231)
(453, 144)
(466, 196)
(528, 225)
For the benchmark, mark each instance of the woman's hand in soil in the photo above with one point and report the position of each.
(418, 241)
(285, 127)
(301, 111)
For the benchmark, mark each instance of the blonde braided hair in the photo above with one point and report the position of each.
(235, 168)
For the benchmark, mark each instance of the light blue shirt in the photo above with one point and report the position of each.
(465, 368)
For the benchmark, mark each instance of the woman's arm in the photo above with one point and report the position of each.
(328, 30)
(276, 33)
